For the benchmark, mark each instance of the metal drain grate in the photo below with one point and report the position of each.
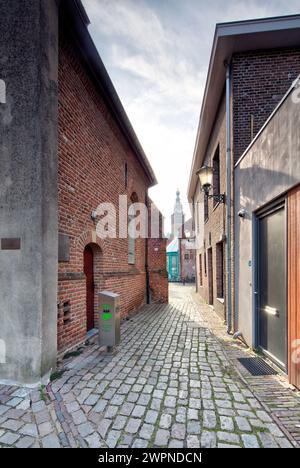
(257, 366)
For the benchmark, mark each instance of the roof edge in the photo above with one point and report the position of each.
(226, 32)
(75, 9)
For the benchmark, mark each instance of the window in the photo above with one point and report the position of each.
(186, 256)
(216, 174)
(205, 265)
(131, 240)
(220, 269)
(200, 271)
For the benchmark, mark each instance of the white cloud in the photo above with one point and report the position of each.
(157, 54)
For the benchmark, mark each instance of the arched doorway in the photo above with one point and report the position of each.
(90, 286)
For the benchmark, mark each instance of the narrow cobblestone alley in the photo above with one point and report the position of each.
(170, 384)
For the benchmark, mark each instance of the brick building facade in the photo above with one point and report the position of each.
(96, 165)
(246, 80)
(78, 150)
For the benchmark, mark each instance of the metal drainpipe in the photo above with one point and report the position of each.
(228, 119)
(146, 254)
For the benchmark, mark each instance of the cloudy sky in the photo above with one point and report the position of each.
(157, 54)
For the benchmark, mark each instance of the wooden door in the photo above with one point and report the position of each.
(294, 286)
(89, 273)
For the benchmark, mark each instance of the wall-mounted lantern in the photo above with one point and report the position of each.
(206, 181)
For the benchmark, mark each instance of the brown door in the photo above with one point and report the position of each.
(89, 273)
(294, 286)
(210, 277)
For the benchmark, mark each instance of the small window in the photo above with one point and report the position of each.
(131, 240)
(216, 174)
(131, 245)
(205, 265)
(186, 256)
(220, 269)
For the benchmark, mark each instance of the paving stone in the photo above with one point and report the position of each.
(126, 409)
(178, 431)
(170, 401)
(111, 411)
(103, 427)
(138, 411)
(120, 422)
(112, 438)
(45, 428)
(144, 400)
(72, 407)
(162, 437)
(14, 402)
(283, 443)
(209, 419)
(192, 414)
(94, 441)
(226, 423)
(178, 444)
(193, 427)
(25, 442)
(85, 429)
(228, 437)
(29, 429)
(151, 417)
(12, 424)
(243, 424)
(100, 406)
(165, 421)
(51, 441)
(263, 416)
(79, 417)
(133, 425)
(133, 397)
(38, 406)
(118, 400)
(274, 430)
(208, 439)
(192, 441)
(250, 441)
(140, 443)
(227, 446)
(146, 431)
(91, 400)
(9, 438)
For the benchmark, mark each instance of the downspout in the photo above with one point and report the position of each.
(195, 235)
(228, 120)
(146, 253)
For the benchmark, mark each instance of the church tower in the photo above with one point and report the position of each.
(177, 218)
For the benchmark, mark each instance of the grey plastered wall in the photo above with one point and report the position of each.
(28, 189)
(269, 168)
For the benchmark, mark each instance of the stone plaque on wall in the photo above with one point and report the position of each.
(63, 248)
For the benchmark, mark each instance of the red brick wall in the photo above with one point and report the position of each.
(157, 258)
(260, 80)
(215, 225)
(92, 156)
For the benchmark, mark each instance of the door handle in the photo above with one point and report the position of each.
(271, 311)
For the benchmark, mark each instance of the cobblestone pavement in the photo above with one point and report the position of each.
(171, 383)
